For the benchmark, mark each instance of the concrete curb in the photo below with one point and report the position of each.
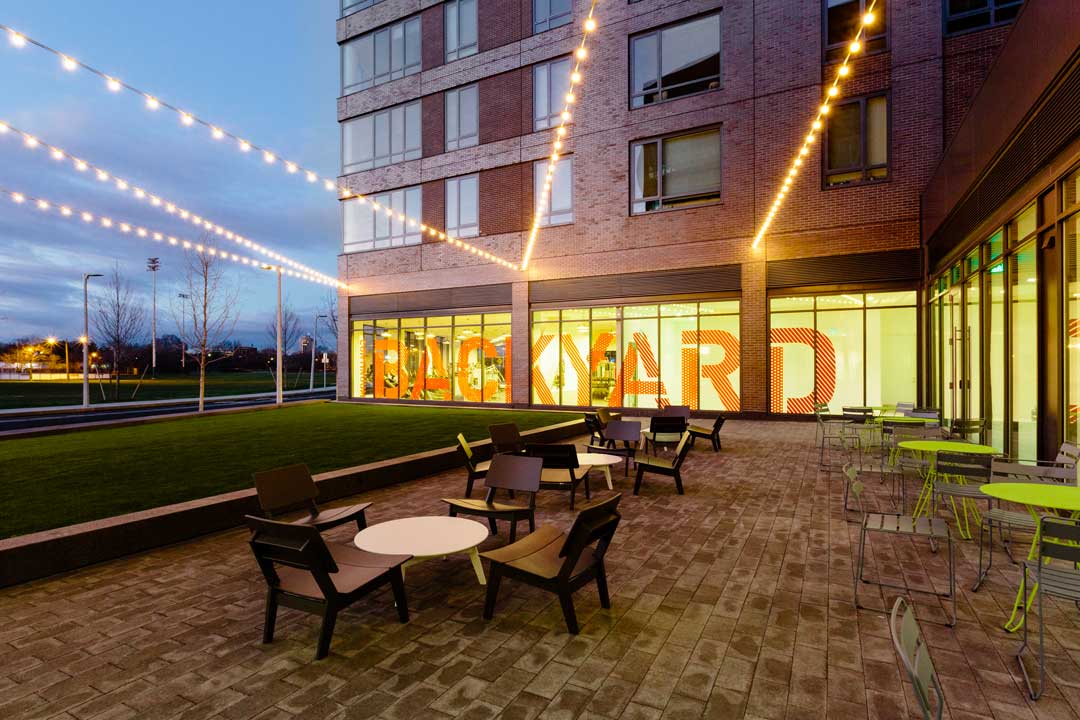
(145, 404)
(38, 555)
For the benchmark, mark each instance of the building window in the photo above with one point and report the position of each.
(460, 24)
(857, 141)
(386, 54)
(851, 349)
(381, 138)
(551, 83)
(550, 14)
(348, 7)
(676, 171)
(462, 206)
(462, 117)
(964, 15)
(638, 356)
(460, 357)
(843, 18)
(558, 209)
(366, 229)
(675, 61)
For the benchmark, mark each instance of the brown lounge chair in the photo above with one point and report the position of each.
(664, 430)
(304, 573)
(558, 562)
(561, 470)
(476, 470)
(291, 488)
(712, 435)
(506, 439)
(508, 472)
(662, 465)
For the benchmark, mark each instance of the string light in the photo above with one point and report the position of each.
(589, 25)
(188, 118)
(128, 228)
(831, 92)
(170, 207)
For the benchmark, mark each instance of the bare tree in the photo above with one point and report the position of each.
(205, 310)
(290, 331)
(119, 320)
(330, 310)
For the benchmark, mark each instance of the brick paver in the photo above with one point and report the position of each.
(732, 601)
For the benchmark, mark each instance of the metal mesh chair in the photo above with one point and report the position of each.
(966, 428)
(1059, 539)
(830, 436)
(958, 475)
(904, 408)
(915, 657)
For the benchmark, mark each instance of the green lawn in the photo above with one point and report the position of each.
(24, 393)
(58, 480)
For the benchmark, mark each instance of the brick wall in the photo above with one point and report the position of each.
(499, 22)
(432, 39)
(505, 199)
(501, 100)
(967, 60)
(433, 125)
(433, 197)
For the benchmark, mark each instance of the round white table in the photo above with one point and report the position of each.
(424, 538)
(602, 461)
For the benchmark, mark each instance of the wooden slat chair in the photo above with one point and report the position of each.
(561, 470)
(476, 470)
(506, 439)
(508, 472)
(931, 528)
(292, 488)
(662, 465)
(664, 430)
(559, 562)
(304, 573)
(706, 433)
(1006, 520)
(1059, 539)
(915, 656)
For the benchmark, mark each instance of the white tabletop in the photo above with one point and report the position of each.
(597, 459)
(422, 536)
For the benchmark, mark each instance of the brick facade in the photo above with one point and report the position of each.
(772, 79)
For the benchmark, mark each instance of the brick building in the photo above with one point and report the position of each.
(643, 289)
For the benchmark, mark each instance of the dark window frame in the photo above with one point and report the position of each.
(658, 30)
(991, 9)
(547, 22)
(658, 139)
(406, 69)
(349, 7)
(830, 54)
(864, 167)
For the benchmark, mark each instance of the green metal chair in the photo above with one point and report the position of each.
(915, 657)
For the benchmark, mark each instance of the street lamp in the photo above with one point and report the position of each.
(153, 265)
(279, 397)
(314, 333)
(86, 334)
(51, 342)
(183, 350)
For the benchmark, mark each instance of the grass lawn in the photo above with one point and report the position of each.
(58, 480)
(24, 393)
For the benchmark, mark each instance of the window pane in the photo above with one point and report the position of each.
(397, 49)
(690, 57)
(468, 105)
(397, 132)
(891, 353)
(452, 205)
(451, 22)
(469, 203)
(545, 363)
(840, 354)
(1070, 232)
(646, 172)
(995, 392)
(541, 109)
(412, 45)
(844, 19)
(452, 131)
(718, 353)
(358, 63)
(358, 143)
(791, 362)
(382, 55)
(877, 131)
(561, 203)
(640, 371)
(1025, 353)
(1024, 224)
(691, 164)
(844, 137)
(467, 13)
(645, 63)
(412, 130)
(560, 85)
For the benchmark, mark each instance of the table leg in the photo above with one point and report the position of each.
(474, 555)
(607, 476)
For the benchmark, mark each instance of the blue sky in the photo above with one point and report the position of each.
(266, 70)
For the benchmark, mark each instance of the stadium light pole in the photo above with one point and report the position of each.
(86, 334)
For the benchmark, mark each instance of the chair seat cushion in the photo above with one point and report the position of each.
(654, 461)
(483, 467)
(356, 568)
(537, 553)
(332, 517)
(476, 506)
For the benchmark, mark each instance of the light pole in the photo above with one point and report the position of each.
(183, 350)
(86, 334)
(314, 334)
(51, 342)
(153, 265)
(279, 398)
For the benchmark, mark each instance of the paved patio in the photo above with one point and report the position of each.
(731, 601)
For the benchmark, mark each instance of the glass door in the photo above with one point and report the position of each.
(972, 346)
(952, 361)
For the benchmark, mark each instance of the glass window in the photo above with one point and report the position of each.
(381, 138)
(675, 61)
(551, 83)
(1023, 225)
(460, 25)
(350, 6)
(366, 229)
(857, 141)
(676, 171)
(842, 21)
(380, 56)
(964, 15)
(1070, 235)
(1024, 319)
(550, 14)
(994, 393)
(557, 206)
(1070, 191)
(462, 210)
(462, 117)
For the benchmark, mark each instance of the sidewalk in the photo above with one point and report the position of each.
(136, 404)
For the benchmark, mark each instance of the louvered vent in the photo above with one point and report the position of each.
(448, 299)
(725, 278)
(842, 269)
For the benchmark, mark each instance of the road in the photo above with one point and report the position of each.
(23, 422)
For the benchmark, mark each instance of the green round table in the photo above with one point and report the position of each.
(1036, 498)
(936, 446)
